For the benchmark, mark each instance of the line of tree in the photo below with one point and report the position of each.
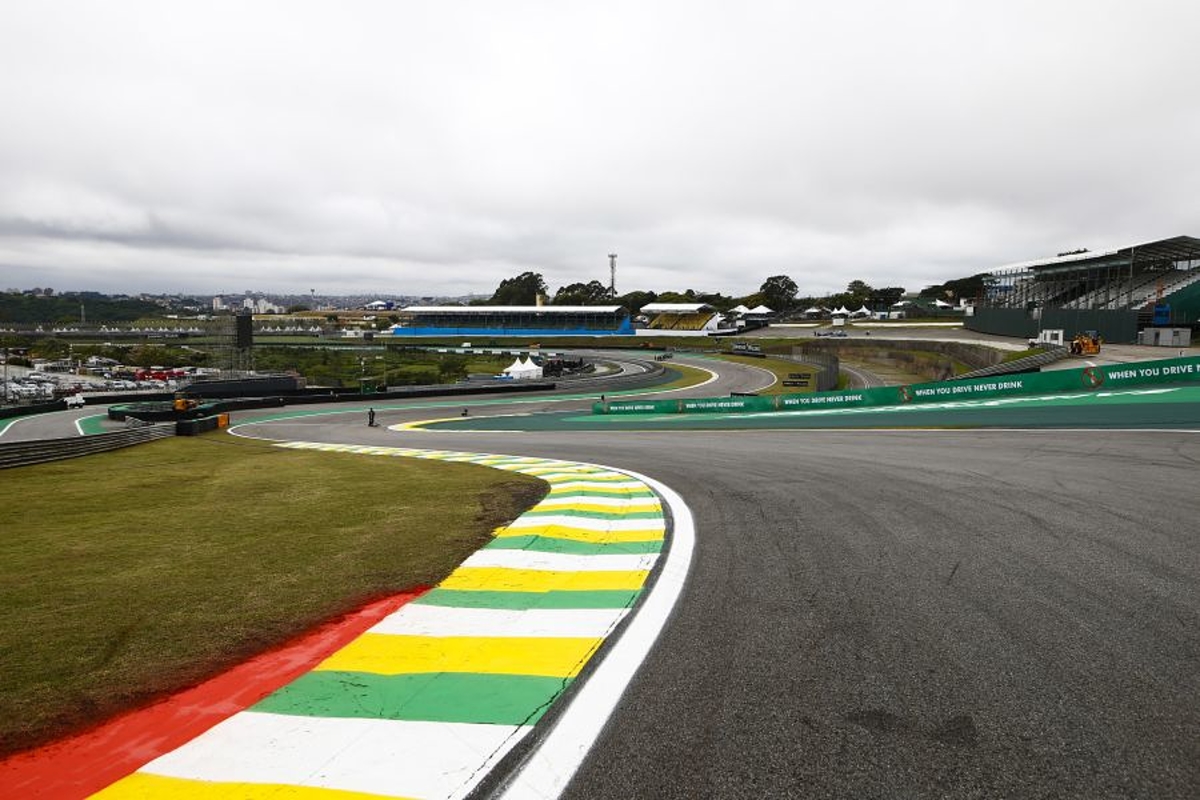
(778, 292)
(64, 309)
(958, 289)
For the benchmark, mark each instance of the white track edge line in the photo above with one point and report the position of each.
(552, 763)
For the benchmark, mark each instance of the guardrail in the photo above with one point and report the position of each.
(1026, 364)
(22, 454)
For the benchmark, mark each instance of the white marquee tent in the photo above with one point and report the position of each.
(523, 370)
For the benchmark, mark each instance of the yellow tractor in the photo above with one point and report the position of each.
(184, 403)
(1086, 344)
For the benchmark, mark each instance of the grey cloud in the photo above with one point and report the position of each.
(428, 149)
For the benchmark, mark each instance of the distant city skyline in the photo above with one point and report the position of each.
(435, 150)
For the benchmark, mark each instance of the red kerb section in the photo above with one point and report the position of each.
(84, 764)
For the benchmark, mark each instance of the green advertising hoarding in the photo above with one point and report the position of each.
(1088, 379)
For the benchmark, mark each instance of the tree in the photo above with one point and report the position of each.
(859, 292)
(778, 292)
(582, 294)
(969, 288)
(522, 290)
(633, 301)
(883, 298)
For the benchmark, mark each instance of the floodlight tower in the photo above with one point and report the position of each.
(612, 274)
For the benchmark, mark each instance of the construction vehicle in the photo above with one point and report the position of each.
(184, 403)
(1086, 344)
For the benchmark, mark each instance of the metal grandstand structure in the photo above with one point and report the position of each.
(1128, 278)
(512, 321)
(1115, 292)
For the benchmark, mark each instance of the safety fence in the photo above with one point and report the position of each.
(1088, 379)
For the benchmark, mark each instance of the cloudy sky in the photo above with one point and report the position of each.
(439, 147)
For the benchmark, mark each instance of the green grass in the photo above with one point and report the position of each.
(776, 366)
(1016, 355)
(688, 376)
(130, 574)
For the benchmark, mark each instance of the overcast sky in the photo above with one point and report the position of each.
(439, 147)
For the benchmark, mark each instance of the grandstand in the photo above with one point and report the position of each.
(682, 319)
(1116, 292)
(524, 321)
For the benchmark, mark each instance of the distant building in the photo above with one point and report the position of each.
(513, 321)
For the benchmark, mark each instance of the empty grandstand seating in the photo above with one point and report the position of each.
(681, 322)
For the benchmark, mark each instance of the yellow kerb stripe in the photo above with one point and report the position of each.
(143, 786)
(583, 535)
(597, 508)
(501, 579)
(388, 654)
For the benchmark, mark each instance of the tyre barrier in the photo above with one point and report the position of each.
(194, 427)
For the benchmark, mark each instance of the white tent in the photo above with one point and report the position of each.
(862, 312)
(523, 370)
(532, 370)
(738, 309)
(841, 311)
(942, 304)
(760, 309)
(813, 310)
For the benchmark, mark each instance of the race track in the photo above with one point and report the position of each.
(902, 614)
(881, 613)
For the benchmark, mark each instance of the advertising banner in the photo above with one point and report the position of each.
(1087, 379)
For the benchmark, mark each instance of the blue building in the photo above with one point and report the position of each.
(523, 321)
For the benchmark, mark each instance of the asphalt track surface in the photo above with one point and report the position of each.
(901, 613)
(893, 614)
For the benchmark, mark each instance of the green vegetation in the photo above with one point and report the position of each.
(1016, 355)
(776, 366)
(130, 574)
(29, 309)
(392, 367)
(688, 376)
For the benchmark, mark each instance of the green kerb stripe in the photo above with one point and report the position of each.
(433, 697)
(574, 512)
(546, 544)
(521, 601)
(630, 495)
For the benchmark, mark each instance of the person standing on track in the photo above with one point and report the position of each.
(370, 418)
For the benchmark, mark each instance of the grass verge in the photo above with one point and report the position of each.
(776, 366)
(130, 574)
(688, 376)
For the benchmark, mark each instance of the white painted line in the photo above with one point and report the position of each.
(712, 376)
(583, 523)
(583, 484)
(573, 500)
(421, 620)
(574, 474)
(560, 562)
(360, 755)
(18, 421)
(554, 760)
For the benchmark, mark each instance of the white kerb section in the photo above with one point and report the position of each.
(556, 758)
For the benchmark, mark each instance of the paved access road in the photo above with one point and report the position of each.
(905, 614)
